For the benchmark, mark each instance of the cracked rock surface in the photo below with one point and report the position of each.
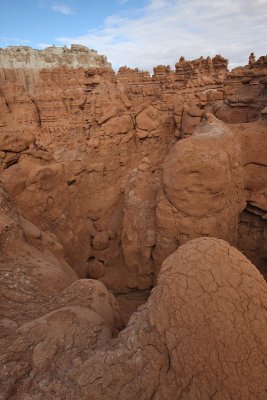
(120, 190)
(201, 335)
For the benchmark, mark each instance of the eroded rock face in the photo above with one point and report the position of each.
(103, 177)
(202, 190)
(25, 57)
(98, 154)
(33, 267)
(200, 335)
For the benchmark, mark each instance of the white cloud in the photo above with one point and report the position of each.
(158, 4)
(62, 8)
(13, 41)
(43, 45)
(166, 29)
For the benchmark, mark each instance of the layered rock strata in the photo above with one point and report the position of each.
(99, 156)
(124, 182)
(23, 57)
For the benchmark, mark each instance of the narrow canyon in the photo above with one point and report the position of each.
(133, 228)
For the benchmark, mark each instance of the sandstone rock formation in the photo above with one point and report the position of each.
(104, 176)
(200, 335)
(23, 57)
(81, 141)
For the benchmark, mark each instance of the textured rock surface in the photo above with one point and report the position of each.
(90, 147)
(103, 176)
(202, 188)
(25, 57)
(200, 335)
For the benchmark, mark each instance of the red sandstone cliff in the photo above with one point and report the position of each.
(104, 176)
(87, 148)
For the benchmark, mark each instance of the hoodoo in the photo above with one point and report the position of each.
(116, 183)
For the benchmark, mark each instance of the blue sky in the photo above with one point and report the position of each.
(42, 21)
(140, 33)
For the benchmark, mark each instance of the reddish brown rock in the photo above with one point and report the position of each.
(94, 295)
(201, 334)
(76, 135)
(33, 267)
(96, 183)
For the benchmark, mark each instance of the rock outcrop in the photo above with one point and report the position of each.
(112, 184)
(200, 335)
(98, 152)
(24, 57)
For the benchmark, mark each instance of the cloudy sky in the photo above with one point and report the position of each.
(140, 33)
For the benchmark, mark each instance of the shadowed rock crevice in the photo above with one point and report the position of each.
(121, 196)
(109, 175)
(200, 334)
